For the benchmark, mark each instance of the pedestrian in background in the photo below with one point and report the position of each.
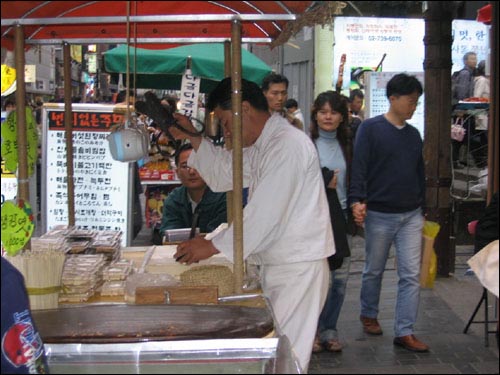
(479, 139)
(293, 110)
(275, 89)
(387, 193)
(463, 80)
(354, 121)
(356, 100)
(331, 134)
(462, 86)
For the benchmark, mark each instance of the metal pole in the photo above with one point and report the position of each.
(228, 143)
(237, 156)
(68, 126)
(493, 116)
(23, 191)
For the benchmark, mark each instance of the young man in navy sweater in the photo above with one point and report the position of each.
(386, 195)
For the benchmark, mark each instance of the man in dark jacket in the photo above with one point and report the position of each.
(193, 200)
(464, 87)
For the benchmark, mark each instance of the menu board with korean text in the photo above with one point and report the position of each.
(101, 184)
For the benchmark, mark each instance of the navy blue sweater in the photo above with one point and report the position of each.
(388, 167)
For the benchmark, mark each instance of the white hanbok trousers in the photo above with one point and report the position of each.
(297, 293)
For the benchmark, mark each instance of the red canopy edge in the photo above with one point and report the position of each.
(156, 22)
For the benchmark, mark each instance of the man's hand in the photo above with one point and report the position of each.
(359, 213)
(185, 123)
(192, 251)
(333, 182)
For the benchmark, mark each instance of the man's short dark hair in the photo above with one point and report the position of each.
(466, 56)
(291, 103)
(184, 147)
(250, 92)
(403, 84)
(273, 78)
(356, 93)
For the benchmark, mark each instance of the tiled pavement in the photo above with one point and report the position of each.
(442, 316)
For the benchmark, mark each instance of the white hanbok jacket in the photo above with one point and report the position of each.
(286, 219)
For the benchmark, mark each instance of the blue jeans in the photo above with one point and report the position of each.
(327, 324)
(381, 231)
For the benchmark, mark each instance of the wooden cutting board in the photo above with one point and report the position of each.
(152, 295)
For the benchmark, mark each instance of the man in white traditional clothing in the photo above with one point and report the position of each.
(286, 222)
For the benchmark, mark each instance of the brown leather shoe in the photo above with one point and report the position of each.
(410, 342)
(370, 325)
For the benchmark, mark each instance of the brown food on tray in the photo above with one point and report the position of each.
(131, 323)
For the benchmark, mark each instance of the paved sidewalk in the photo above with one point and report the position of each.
(443, 314)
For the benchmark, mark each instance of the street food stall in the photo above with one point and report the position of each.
(153, 322)
(110, 336)
(141, 311)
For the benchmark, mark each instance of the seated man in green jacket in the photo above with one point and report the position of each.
(194, 196)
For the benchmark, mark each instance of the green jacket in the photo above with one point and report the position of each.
(178, 213)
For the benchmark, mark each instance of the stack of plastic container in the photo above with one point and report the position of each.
(107, 243)
(114, 277)
(81, 277)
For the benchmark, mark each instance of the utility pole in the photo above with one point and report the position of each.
(437, 68)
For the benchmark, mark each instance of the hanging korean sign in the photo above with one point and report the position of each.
(101, 184)
(9, 141)
(190, 91)
(17, 226)
(8, 80)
